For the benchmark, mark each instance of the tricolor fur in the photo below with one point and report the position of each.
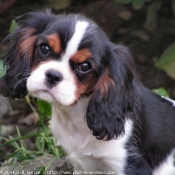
(102, 115)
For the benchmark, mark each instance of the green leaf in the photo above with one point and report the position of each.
(123, 1)
(2, 69)
(167, 61)
(44, 107)
(13, 25)
(58, 4)
(152, 14)
(167, 56)
(137, 4)
(161, 91)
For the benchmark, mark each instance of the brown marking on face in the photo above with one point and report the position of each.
(85, 89)
(104, 83)
(26, 42)
(80, 92)
(81, 56)
(81, 89)
(54, 43)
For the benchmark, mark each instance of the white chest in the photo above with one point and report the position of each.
(85, 151)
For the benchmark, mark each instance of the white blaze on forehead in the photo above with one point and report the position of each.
(72, 45)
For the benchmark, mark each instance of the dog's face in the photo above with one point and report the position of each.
(63, 68)
(64, 58)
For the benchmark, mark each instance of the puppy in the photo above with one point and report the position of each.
(104, 118)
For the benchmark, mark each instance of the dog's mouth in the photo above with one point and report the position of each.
(48, 92)
(62, 93)
(44, 94)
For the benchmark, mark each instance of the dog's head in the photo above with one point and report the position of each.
(64, 58)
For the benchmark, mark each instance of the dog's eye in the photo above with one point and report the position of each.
(84, 67)
(45, 49)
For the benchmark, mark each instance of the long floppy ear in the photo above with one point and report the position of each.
(115, 96)
(17, 58)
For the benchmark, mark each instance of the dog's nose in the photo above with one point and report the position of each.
(53, 77)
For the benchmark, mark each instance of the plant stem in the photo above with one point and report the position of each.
(19, 138)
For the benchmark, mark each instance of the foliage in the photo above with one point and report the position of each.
(152, 14)
(167, 61)
(58, 4)
(161, 91)
(2, 69)
(44, 141)
(44, 107)
(153, 9)
(13, 25)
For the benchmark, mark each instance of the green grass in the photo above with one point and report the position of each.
(44, 141)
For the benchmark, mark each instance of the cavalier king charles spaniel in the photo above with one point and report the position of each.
(102, 115)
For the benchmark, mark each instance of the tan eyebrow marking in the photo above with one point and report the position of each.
(81, 56)
(54, 43)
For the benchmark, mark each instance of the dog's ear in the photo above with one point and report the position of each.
(17, 58)
(115, 95)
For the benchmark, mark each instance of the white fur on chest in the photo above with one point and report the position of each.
(167, 166)
(87, 153)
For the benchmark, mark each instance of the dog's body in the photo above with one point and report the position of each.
(104, 118)
(85, 151)
(134, 153)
